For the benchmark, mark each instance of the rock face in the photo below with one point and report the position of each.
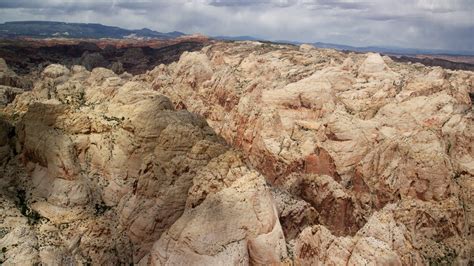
(10, 84)
(351, 137)
(7, 76)
(10, 79)
(241, 153)
(110, 168)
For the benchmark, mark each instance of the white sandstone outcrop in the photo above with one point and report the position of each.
(241, 153)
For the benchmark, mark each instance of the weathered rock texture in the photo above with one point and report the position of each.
(335, 159)
(100, 168)
(377, 155)
(9, 83)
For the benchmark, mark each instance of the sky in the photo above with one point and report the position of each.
(427, 24)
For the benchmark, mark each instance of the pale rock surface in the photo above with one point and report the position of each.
(345, 135)
(344, 159)
(306, 47)
(382, 240)
(105, 165)
(237, 225)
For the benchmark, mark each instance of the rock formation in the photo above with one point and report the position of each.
(10, 84)
(104, 168)
(133, 56)
(354, 136)
(241, 153)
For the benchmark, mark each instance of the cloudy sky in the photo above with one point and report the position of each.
(433, 24)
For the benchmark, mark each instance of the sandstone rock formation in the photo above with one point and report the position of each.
(7, 76)
(9, 83)
(352, 135)
(100, 167)
(241, 153)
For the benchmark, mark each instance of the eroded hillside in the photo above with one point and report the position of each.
(240, 153)
(27, 56)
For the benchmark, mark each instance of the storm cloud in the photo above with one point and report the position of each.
(431, 24)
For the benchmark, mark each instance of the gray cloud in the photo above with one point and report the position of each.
(243, 3)
(408, 23)
(337, 4)
(238, 2)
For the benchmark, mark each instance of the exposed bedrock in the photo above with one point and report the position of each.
(344, 135)
(240, 153)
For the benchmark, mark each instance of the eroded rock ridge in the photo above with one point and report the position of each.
(241, 153)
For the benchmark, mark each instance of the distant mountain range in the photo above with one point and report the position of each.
(237, 38)
(392, 50)
(378, 49)
(51, 29)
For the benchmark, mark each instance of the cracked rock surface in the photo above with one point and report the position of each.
(241, 153)
(354, 144)
(105, 170)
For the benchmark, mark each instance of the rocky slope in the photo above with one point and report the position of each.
(133, 56)
(319, 157)
(382, 151)
(103, 168)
